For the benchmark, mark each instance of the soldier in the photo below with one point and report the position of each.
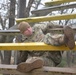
(35, 34)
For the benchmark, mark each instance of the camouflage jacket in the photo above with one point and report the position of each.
(39, 36)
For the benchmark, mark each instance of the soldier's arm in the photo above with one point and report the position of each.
(52, 26)
(41, 26)
(45, 27)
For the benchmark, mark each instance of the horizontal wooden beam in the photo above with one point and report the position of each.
(47, 10)
(11, 69)
(10, 32)
(36, 46)
(47, 18)
(57, 2)
(17, 32)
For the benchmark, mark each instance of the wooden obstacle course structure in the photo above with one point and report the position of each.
(32, 46)
(47, 10)
(37, 46)
(40, 12)
(17, 32)
(47, 18)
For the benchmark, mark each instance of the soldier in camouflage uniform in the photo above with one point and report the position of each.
(36, 34)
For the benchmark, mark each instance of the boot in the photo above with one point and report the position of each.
(69, 37)
(30, 64)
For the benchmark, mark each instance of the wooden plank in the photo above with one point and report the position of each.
(11, 69)
(35, 46)
(47, 10)
(10, 32)
(47, 18)
(57, 2)
(17, 32)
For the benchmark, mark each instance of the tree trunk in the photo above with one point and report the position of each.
(21, 14)
(7, 54)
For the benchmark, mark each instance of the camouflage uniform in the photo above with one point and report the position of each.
(38, 36)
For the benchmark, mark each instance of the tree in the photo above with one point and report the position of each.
(11, 17)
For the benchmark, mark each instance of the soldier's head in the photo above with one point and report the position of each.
(25, 28)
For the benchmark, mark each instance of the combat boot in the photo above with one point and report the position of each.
(30, 64)
(69, 37)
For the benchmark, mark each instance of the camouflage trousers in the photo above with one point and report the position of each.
(55, 56)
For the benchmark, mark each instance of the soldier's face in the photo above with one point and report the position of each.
(28, 31)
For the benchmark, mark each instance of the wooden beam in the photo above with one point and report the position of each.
(47, 10)
(11, 69)
(57, 2)
(10, 32)
(36, 46)
(47, 18)
(17, 32)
